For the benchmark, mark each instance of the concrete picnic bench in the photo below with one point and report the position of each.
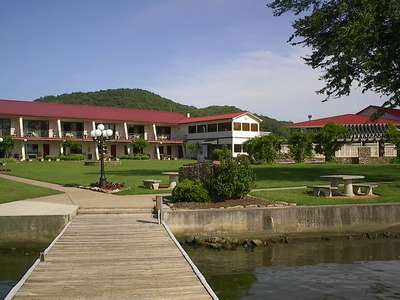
(173, 177)
(152, 184)
(323, 190)
(348, 182)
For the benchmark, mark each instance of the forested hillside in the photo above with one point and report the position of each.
(142, 99)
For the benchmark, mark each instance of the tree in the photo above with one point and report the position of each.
(351, 41)
(193, 149)
(330, 139)
(138, 145)
(6, 146)
(263, 148)
(393, 136)
(301, 145)
(231, 179)
(222, 153)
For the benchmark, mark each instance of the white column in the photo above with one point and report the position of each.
(155, 138)
(126, 131)
(59, 129)
(155, 132)
(23, 151)
(61, 149)
(96, 149)
(21, 127)
(158, 152)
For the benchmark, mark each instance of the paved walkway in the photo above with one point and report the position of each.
(113, 257)
(86, 199)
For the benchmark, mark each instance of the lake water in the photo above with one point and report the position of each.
(13, 265)
(308, 270)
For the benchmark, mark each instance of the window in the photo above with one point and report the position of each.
(254, 127)
(36, 128)
(212, 127)
(192, 129)
(163, 132)
(5, 127)
(237, 148)
(201, 128)
(72, 129)
(225, 126)
(237, 126)
(135, 131)
(245, 126)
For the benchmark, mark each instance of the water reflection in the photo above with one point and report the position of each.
(13, 265)
(310, 270)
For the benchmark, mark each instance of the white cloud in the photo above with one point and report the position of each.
(260, 81)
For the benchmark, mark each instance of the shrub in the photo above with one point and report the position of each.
(135, 157)
(301, 146)
(6, 146)
(231, 179)
(222, 153)
(330, 139)
(263, 148)
(393, 135)
(138, 145)
(72, 157)
(190, 191)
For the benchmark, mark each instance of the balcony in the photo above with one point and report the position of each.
(36, 133)
(75, 134)
(164, 137)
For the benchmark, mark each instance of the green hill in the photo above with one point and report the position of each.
(142, 99)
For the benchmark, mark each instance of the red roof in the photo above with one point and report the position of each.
(392, 111)
(214, 117)
(349, 119)
(85, 112)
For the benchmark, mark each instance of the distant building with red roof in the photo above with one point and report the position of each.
(41, 129)
(367, 129)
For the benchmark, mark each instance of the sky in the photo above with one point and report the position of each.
(209, 52)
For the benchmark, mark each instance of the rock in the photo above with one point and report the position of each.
(252, 206)
(214, 245)
(257, 243)
(235, 207)
(190, 240)
(215, 239)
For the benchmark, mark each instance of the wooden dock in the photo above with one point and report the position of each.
(113, 256)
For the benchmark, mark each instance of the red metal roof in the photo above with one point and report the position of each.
(392, 111)
(214, 117)
(348, 119)
(85, 112)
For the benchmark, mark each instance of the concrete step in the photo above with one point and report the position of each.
(86, 211)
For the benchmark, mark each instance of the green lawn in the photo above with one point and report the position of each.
(309, 174)
(130, 172)
(13, 191)
(386, 193)
(306, 174)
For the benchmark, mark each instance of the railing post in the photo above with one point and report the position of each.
(159, 207)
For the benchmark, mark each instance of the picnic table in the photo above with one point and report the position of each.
(173, 177)
(348, 182)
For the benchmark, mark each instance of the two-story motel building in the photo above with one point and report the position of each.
(40, 129)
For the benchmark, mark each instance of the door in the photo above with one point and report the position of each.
(169, 151)
(113, 151)
(46, 150)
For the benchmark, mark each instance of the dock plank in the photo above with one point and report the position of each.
(113, 256)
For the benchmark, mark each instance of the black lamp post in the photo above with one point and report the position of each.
(100, 136)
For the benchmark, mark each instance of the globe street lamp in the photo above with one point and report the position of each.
(100, 136)
(1, 140)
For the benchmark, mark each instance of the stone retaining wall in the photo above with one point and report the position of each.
(285, 220)
(27, 230)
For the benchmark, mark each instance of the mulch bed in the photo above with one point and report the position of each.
(249, 202)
